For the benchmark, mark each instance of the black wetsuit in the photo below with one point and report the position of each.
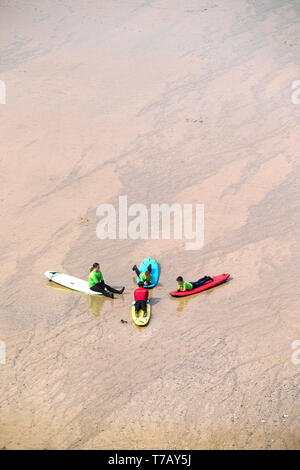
(105, 289)
(140, 305)
(201, 281)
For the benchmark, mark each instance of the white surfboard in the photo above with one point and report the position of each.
(70, 281)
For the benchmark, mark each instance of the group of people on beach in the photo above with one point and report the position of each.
(97, 284)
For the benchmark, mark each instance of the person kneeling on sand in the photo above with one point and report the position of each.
(183, 286)
(146, 276)
(97, 284)
(141, 297)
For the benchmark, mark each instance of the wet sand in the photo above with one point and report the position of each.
(164, 102)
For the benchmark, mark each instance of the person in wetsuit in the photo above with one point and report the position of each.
(141, 297)
(183, 286)
(97, 284)
(145, 276)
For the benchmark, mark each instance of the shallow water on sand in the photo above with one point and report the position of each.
(164, 102)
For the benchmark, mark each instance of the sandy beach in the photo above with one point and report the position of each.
(164, 102)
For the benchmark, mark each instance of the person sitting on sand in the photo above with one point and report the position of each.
(146, 276)
(141, 297)
(97, 284)
(183, 286)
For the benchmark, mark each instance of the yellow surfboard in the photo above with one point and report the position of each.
(140, 319)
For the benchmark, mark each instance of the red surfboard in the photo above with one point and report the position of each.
(208, 285)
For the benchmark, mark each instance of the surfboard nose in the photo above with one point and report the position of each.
(50, 274)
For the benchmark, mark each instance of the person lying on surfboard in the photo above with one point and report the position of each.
(97, 284)
(141, 297)
(183, 286)
(146, 276)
